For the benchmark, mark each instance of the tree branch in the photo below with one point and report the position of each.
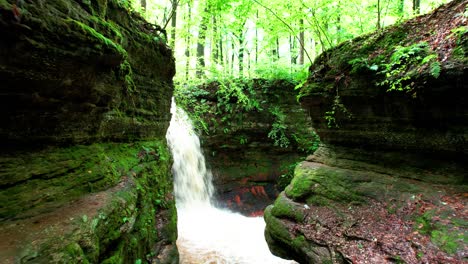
(286, 24)
(174, 8)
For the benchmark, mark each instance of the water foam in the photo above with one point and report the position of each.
(207, 234)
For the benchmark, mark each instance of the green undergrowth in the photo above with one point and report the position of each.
(394, 57)
(450, 240)
(229, 106)
(407, 62)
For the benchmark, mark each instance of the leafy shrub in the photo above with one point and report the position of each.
(279, 127)
(405, 62)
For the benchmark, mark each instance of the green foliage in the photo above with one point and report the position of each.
(307, 141)
(296, 74)
(286, 178)
(243, 139)
(361, 64)
(337, 108)
(407, 61)
(279, 127)
(225, 105)
(239, 91)
(233, 96)
(425, 222)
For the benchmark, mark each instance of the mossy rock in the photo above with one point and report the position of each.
(312, 181)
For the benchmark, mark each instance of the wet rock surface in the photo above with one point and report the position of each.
(85, 174)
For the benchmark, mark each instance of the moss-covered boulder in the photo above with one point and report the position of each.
(333, 215)
(251, 131)
(85, 172)
(388, 182)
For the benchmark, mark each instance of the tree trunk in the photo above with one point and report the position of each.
(401, 8)
(143, 4)
(232, 56)
(256, 40)
(338, 23)
(416, 6)
(277, 48)
(201, 45)
(241, 55)
(248, 63)
(187, 44)
(292, 51)
(215, 43)
(378, 14)
(173, 23)
(301, 42)
(221, 54)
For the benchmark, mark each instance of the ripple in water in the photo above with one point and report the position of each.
(207, 234)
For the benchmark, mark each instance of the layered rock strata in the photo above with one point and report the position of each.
(388, 183)
(85, 96)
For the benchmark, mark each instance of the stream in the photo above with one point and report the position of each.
(206, 233)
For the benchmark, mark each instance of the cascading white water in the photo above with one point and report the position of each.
(207, 234)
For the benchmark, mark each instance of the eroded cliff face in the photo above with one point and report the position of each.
(388, 182)
(85, 100)
(251, 131)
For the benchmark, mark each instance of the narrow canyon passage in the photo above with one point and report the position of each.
(206, 233)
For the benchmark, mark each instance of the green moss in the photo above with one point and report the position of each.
(275, 228)
(448, 240)
(319, 184)
(301, 185)
(127, 72)
(100, 40)
(299, 242)
(284, 208)
(74, 171)
(109, 29)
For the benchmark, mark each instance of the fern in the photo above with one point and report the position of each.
(435, 69)
(399, 70)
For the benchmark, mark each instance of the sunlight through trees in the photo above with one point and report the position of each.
(258, 38)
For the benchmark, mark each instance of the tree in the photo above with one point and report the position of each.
(301, 41)
(175, 3)
(201, 44)
(416, 6)
(378, 14)
(242, 36)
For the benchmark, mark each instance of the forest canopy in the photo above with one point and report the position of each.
(271, 39)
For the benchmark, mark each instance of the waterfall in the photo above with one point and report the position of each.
(207, 234)
(192, 183)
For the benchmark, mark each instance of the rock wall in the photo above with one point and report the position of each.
(85, 96)
(250, 131)
(388, 181)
